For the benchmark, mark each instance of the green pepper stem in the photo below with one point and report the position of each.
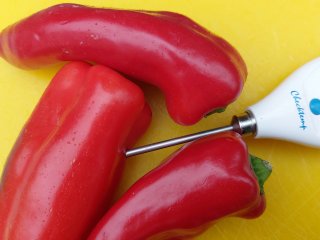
(219, 110)
(262, 170)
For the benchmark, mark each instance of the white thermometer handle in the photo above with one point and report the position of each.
(292, 111)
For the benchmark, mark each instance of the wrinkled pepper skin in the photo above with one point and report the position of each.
(204, 181)
(62, 171)
(197, 71)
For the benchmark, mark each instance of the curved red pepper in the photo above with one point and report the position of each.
(198, 72)
(204, 181)
(62, 171)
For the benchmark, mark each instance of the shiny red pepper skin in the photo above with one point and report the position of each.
(62, 171)
(198, 72)
(201, 183)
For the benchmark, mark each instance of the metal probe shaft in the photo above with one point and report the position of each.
(243, 124)
(176, 141)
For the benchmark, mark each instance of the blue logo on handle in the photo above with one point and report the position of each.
(315, 106)
(297, 100)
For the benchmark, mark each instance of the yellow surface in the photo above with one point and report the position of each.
(274, 37)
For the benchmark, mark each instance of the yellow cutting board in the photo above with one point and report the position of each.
(274, 38)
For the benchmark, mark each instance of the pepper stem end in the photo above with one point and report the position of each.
(218, 110)
(262, 170)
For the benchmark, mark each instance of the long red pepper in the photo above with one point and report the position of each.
(206, 180)
(61, 173)
(198, 71)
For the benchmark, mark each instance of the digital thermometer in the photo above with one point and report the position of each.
(291, 112)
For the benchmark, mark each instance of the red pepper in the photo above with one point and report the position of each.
(203, 182)
(198, 71)
(61, 173)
